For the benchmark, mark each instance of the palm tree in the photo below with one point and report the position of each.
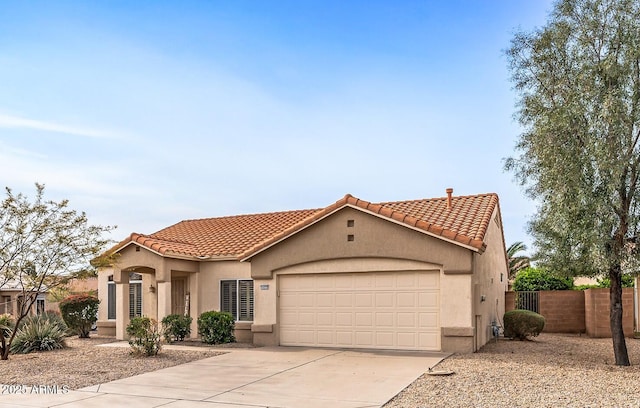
(517, 263)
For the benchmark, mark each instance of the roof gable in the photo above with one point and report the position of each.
(464, 223)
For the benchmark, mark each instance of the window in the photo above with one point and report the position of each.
(236, 297)
(40, 304)
(135, 296)
(6, 305)
(111, 299)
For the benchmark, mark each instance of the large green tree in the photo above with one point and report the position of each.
(43, 244)
(578, 82)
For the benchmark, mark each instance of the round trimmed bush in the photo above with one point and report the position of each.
(176, 327)
(521, 324)
(216, 327)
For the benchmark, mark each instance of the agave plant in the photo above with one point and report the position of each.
(39, 334)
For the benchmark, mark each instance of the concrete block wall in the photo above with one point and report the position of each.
(563, 310)
(597, 312)
(575, 311)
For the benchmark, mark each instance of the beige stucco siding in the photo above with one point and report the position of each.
(372, 237)
(490, 280)
(209, 281)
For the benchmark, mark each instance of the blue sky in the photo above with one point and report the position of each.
(146, 113)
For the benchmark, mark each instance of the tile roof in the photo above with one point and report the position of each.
(243, 236)
(217, 237)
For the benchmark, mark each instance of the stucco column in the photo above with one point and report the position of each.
(194, 284)
(164, 299)
(121, 280)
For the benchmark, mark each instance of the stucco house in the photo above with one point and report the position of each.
(426, 274)
(12, 298)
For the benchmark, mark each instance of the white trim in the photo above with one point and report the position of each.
(368, 212)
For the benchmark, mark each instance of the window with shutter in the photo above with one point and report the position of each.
(111, 300)
(135, 295)
(246, 300)
(236, 297)
(228, 297)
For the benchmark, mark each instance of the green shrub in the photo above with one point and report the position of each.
(80, 313)
(521, 324)
(216, 327)
(531, 279)
(176, 327)
(585, 287)
(144, 336)
(627, 282)
(39, 333)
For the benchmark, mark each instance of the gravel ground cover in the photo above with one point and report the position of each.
(550, 371)
(83, 364)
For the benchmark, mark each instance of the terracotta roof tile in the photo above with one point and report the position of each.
(243, 236)
(217, 237)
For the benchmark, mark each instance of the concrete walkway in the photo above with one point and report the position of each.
(259, 377)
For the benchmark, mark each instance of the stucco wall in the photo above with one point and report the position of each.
(490, 280)
(211, 273)
(203, 285)
(374, 240)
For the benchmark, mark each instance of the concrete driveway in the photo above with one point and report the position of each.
(260, 377)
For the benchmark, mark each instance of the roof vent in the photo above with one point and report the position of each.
(449, 193)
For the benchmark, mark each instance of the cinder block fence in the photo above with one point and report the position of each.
(577, 311)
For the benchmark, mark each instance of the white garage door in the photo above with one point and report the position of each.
(386, 310)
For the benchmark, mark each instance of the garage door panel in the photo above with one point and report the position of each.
(429, 299)
(429, 281)
(384, 281)
(391, 310)
(344, 319)
(344, 300)
(363, 299)
(364, 339)
(428, 319)
(325, 300)
(326, 338)
(385, 299)
(364, 319)
(324, 318)
(406, 320)
(384, 319)
(406, 299)
(385, 339)
(344, 338)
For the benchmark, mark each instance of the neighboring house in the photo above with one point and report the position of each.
(12, 298)
(424, 274)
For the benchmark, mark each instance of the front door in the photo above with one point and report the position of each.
(178, 296)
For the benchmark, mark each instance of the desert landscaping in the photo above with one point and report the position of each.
(551, 370)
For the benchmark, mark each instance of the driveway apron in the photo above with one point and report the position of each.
(260, 377)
